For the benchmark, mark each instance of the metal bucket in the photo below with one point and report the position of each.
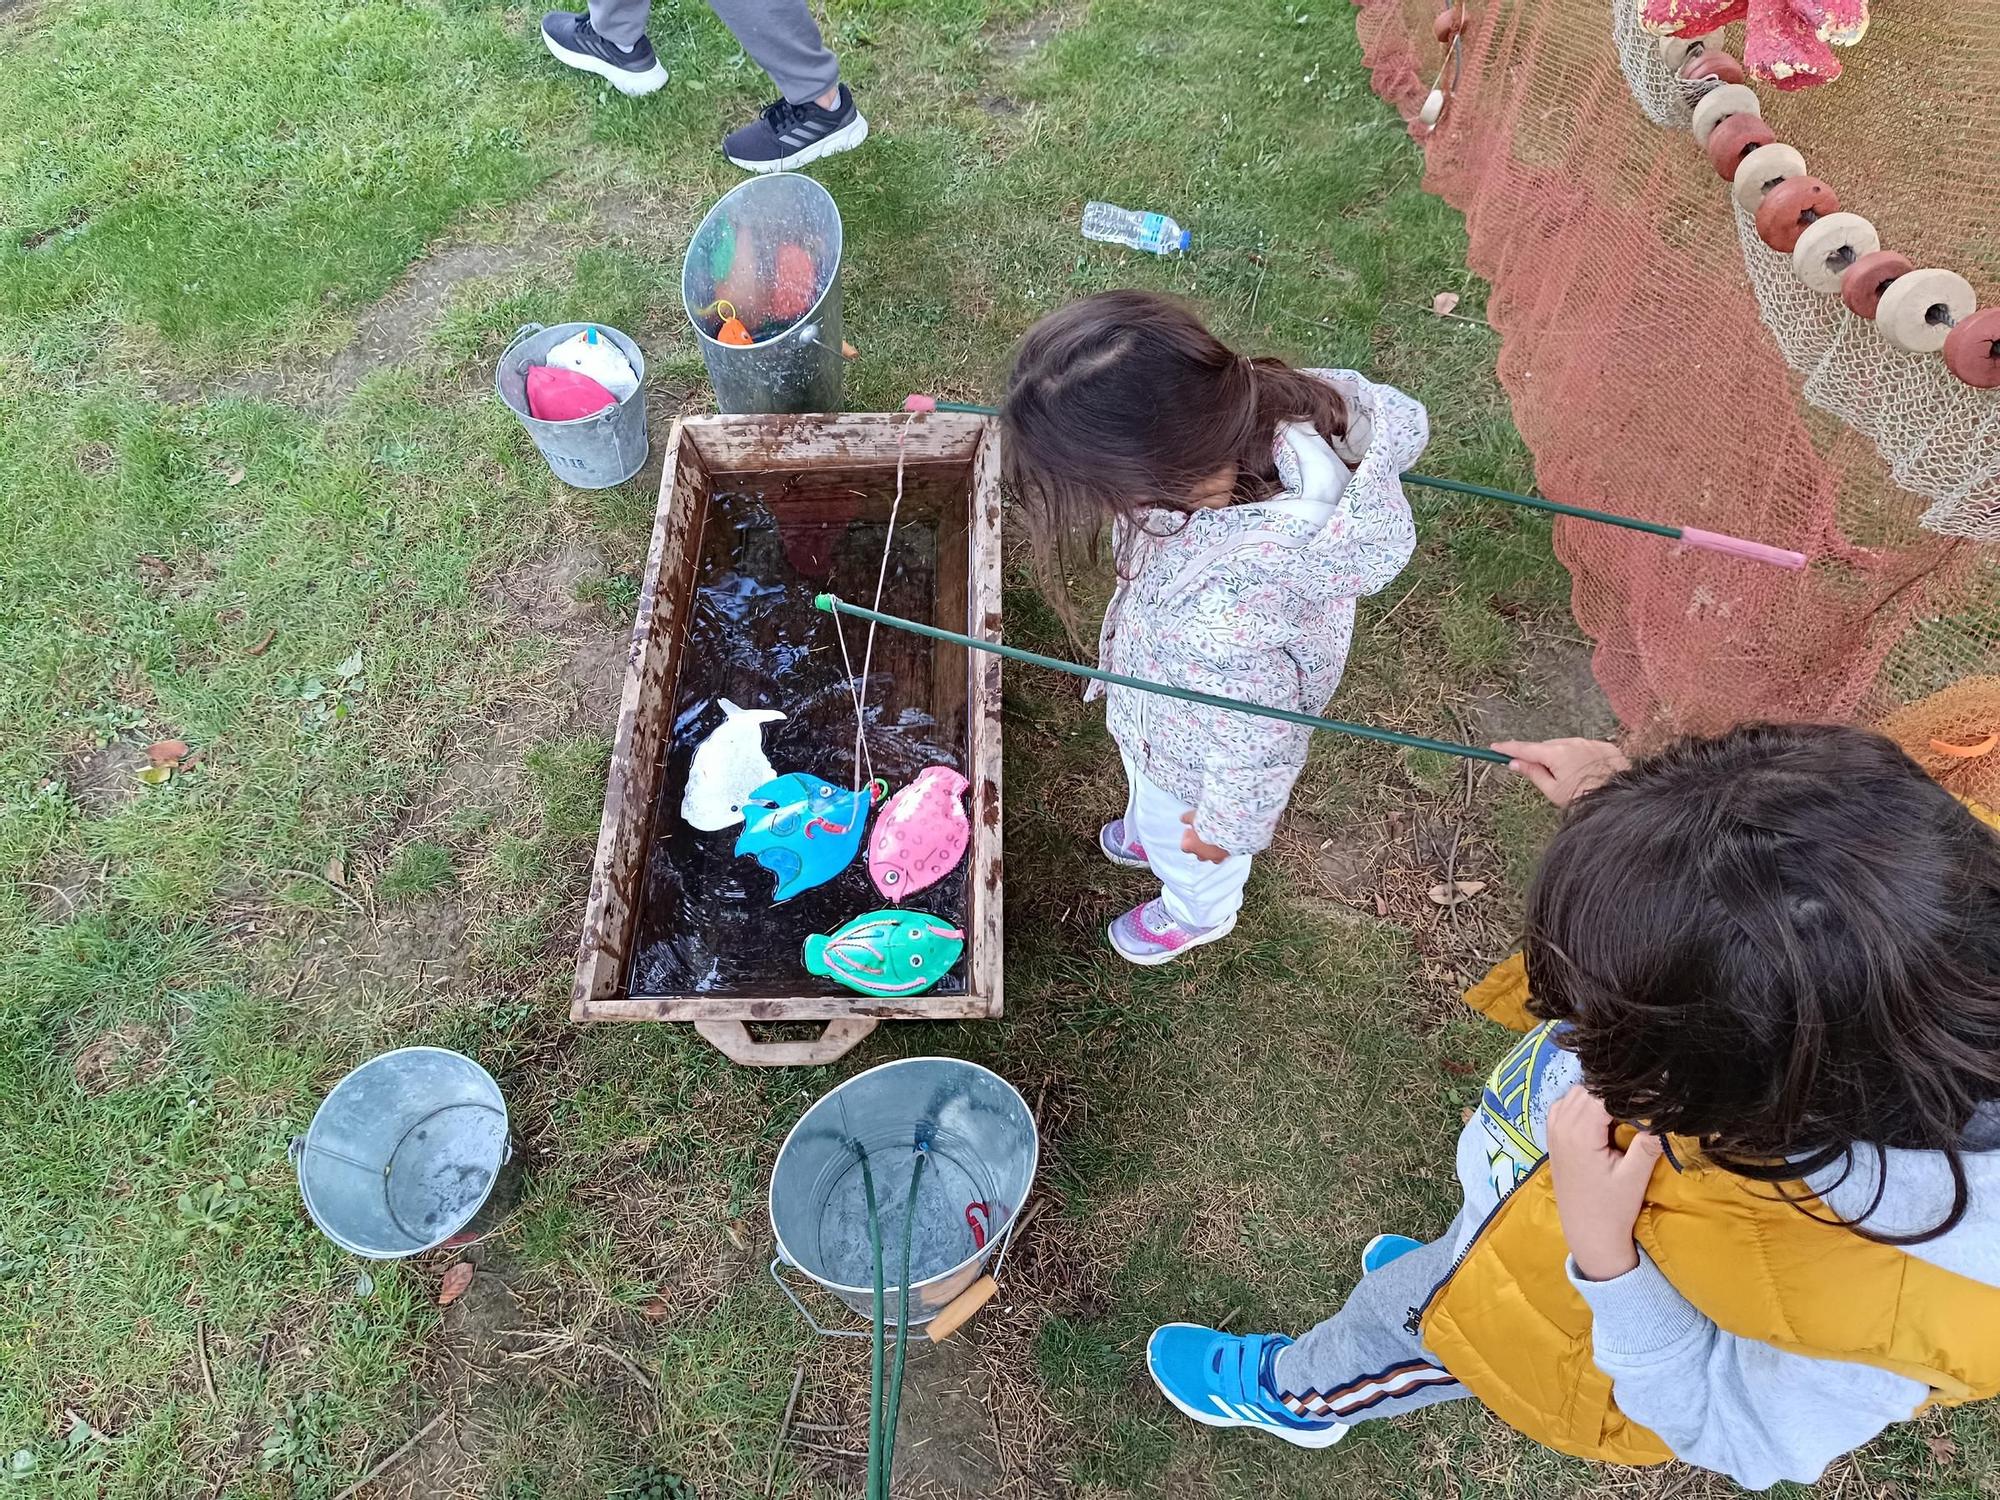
(589, 453)
(800, 369)
(980, 1135)
(403, 1152)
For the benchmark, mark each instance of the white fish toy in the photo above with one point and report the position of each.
(728, 766)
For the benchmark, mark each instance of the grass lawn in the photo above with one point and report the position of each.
(257, 260)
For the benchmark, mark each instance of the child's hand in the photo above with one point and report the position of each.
(1599, 1189)
(1564, 769)
(1198, 846)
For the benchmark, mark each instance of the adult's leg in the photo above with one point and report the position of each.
(783, 39)
(620, 22)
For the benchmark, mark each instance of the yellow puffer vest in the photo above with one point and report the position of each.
(1509, 1325)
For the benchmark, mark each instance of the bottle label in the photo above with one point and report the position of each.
(1152, 227)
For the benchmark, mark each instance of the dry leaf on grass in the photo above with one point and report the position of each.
(233, 478)
(1444, 302)
(167, 752)
(1381, 905)
(1457, 893)
(1458, 1069)
(1943, 1446)
(654, 1309)
(456, 1280)
(263, 643)
(336, 870)
(155, 567)
(157, 775)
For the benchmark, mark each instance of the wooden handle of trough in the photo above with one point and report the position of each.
(958, 1312)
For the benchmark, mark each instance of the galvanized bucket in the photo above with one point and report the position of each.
(589, 453)
(799, 369)
(980, 1137)
(403, 1152)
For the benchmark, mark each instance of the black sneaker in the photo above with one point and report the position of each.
(633, 70)
(789, 135)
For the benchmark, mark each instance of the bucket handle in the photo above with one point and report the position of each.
(811, 1322)
(520, 333)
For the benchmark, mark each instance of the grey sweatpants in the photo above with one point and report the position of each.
(1366, 1361)
(780, 35)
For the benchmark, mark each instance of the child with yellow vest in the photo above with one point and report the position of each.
(1777, 954)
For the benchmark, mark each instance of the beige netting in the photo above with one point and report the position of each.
(1940, 437)
(1642, 375)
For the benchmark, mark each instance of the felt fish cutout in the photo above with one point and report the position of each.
(728, 766)
(921, 835)
(804, 830)
(887, 952)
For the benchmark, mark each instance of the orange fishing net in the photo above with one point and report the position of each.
(1663, 362)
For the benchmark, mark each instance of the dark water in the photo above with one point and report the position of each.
(706, 921)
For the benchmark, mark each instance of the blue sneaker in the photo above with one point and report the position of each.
(1384, 1248)
(1224, 1380)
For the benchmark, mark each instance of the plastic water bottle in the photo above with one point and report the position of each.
(1154, 233)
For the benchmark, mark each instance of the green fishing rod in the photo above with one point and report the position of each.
(834, 605)
(1692, 536)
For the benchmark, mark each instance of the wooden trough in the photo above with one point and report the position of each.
(756, 512)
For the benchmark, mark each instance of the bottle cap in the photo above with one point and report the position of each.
(1187, 238)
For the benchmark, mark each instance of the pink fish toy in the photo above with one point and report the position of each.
(920, 835)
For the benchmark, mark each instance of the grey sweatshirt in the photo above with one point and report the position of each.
(1743, 1408)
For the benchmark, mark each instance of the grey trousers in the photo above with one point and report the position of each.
(780, 35)
(1366, 1361)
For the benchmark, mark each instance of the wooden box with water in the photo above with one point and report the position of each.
(757, 514)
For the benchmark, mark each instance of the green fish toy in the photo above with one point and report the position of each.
(887, 952)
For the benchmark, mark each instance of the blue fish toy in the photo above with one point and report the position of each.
(887, 953)
(804, 830)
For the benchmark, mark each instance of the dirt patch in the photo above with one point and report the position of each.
(539, 597)
(1553, 695)
(78, 217)
(394, 329)
(106, 778)
(60, 890)
(1000, 107)
(1016, 44)
(947, 1443)
(127, 1055)
(540, 594)
(373, 963)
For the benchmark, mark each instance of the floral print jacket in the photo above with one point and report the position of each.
(1256, 602)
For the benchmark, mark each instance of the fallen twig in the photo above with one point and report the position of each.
(784, 1426)
(201, 1358)
(390, 1462)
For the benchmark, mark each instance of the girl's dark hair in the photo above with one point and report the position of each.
(1125, 401)
(1783, 942)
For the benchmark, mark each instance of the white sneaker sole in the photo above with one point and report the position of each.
(850, 135)
(1167, 955)
(622, 79)
(1325, 1437)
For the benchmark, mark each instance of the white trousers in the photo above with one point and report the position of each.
(1196, 893)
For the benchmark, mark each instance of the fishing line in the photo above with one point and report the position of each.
(858, 690)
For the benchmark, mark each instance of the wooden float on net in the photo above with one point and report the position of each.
(811, 486)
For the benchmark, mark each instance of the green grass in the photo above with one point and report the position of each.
(328, 588)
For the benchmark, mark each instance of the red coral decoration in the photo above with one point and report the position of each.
(1787, 43)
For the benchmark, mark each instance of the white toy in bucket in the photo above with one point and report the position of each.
(591, 452)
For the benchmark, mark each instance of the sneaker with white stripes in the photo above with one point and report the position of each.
(632, 70)
(1227, 1380)
(788, 135)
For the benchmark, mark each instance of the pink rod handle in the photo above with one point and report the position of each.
(920, 403)
(1736, 546)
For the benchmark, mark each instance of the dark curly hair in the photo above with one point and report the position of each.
(1783, 942)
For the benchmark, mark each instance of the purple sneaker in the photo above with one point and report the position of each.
(1127, 853)
(1146, 935)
